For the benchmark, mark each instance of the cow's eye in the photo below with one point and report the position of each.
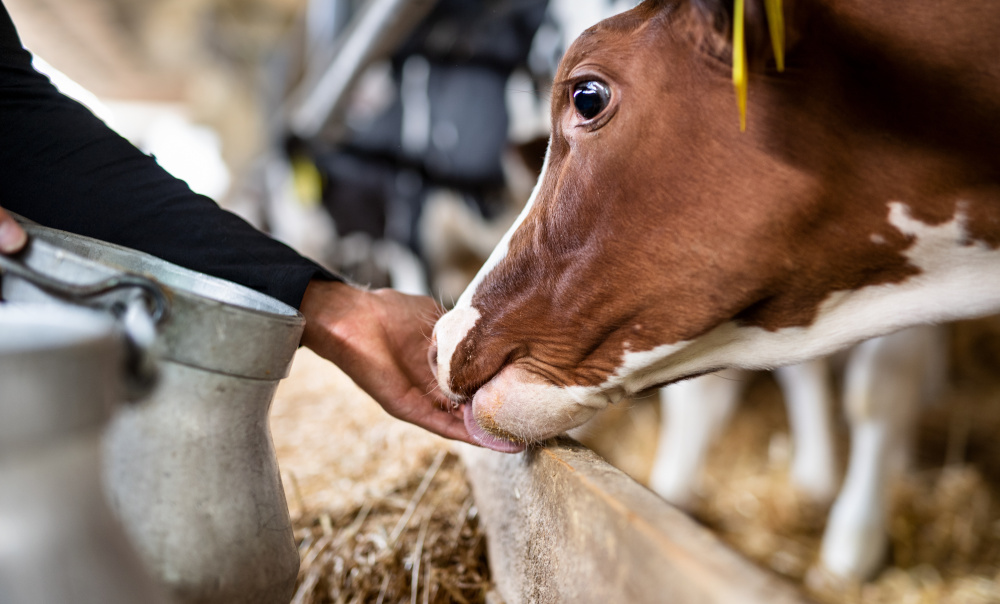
(590, 98)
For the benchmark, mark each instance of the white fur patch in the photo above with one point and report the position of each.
(456, 323)
(518, 403)
(449, 331)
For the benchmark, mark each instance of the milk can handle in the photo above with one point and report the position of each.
(82, 293)
(140, 365)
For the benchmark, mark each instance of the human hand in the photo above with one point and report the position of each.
(12, 236)
(380, 340)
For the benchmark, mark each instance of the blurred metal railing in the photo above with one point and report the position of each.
(318, 103)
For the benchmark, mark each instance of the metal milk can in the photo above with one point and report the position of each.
(191, 471)
(59, 542)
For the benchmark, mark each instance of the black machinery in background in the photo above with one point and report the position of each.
(394, 99)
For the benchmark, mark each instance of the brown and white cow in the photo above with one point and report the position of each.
(662, 243)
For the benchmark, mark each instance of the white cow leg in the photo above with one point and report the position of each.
(693, 411)
(809, 401)
(855, 542)
(884, 383)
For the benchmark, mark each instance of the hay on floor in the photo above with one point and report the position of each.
(381, 509)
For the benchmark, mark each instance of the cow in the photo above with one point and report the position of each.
(662, 242)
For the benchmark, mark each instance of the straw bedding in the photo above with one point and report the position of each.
(381, 509)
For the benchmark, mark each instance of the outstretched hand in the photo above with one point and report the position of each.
(380, 340)
(12, 236)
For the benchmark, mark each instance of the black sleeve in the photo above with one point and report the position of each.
(64, 168)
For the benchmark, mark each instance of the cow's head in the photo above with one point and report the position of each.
(662, 243)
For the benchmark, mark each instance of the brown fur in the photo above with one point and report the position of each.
(660, 220)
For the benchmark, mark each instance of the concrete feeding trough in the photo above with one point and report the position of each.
(565, 526)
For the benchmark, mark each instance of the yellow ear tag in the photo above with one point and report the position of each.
(740, 62)
(776, 25)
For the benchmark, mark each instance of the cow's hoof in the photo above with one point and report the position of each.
(821, 581)
(853, 553)
(677, 493)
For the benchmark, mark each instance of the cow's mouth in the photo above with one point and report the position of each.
(491, 437)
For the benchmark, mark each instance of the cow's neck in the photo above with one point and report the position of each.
(960, 278)
(923, 165)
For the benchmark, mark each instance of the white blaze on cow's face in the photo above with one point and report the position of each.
(661, 243)
(502, 414)
(456, 323)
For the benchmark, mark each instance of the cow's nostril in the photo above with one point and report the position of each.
(432, 357)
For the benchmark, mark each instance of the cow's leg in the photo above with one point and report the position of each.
(694, 411)
(809, 400)
(885, 381)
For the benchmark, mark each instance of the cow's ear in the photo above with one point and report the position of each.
(749, 33)
(764, 30)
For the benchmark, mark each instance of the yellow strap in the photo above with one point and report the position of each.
(740, 62)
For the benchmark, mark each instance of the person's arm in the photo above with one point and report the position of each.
(380, 339)
(64, 168)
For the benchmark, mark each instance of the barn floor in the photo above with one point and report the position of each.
(945, 517)
(381, 509)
